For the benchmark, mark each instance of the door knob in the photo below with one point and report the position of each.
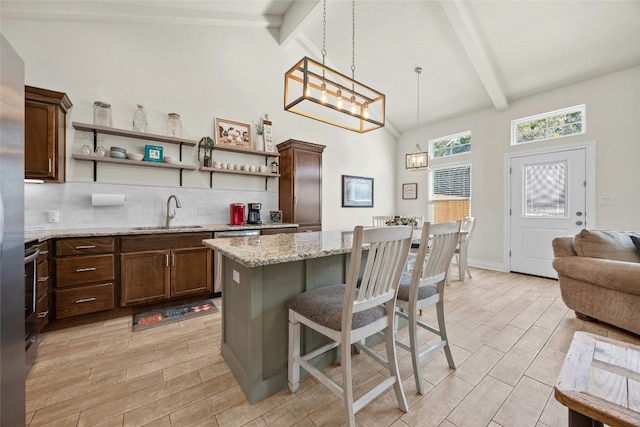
(579, 213)
(578, 222)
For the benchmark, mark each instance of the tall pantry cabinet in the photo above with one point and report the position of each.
(300, 195)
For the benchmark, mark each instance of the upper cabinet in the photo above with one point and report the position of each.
(45, 134)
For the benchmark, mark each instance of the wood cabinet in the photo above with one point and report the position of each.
(155, 268)
(43, 286)
(45, 134)
(85, 272)
(300, 195)
(279, 230)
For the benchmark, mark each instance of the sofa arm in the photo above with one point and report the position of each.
(563, 246)
(618, 275)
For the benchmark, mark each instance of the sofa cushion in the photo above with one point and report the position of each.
(605, 244)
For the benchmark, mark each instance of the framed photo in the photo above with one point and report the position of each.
(357, 192)
(410, 191)
(153, 153)
(233, 133)
(275, 216)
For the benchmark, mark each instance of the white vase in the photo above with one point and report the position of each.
(258, 142)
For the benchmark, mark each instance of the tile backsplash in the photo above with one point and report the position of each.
(144, 205)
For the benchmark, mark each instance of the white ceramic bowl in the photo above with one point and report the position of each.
(169, 159)
(135, 156)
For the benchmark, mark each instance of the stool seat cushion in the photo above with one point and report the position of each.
(324, 307)
(424, 292)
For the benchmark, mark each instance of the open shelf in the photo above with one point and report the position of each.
(233, 149)
(132, 134)
(128, 162)
(264, 174)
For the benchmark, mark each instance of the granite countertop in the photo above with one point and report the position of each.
(42, 235)
(280, 248)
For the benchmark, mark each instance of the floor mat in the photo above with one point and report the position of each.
(164, 316)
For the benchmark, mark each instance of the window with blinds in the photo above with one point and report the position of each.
(451, 193)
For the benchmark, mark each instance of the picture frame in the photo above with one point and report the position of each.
(357, 192)
(275, 217)
(153, 153)
(410, 191)
(232, 133)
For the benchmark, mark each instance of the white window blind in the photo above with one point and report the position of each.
(452, 182)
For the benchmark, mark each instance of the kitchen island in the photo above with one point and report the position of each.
(259, 275)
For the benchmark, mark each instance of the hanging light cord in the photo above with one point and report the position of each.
(324, 31)
(353, 40)
(418, 72)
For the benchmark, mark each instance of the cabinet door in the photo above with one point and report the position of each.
(191, 271)
(307, 186)
(39, 140)
(144, 277)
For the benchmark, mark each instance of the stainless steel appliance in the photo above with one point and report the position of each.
(12, 356)
(217, 259)
(253, 217)
(31, 253)
(236, 214)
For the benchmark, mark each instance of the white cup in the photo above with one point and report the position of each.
(236, 167)
(252, 168)
(263, 168)
(217, 164)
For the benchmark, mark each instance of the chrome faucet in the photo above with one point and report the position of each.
(170, 216)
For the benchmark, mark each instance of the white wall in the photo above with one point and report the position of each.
(612, 111)
(200, 73)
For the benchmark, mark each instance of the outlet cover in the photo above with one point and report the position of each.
(205, 210)
(606, 201)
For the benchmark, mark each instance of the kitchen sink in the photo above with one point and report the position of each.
(164, 227)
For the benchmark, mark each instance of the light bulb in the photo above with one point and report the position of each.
(323, 93)
(353, 104)
(339, 95)
(366, 110)
(307, 92)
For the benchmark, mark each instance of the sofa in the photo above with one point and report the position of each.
(599, 276)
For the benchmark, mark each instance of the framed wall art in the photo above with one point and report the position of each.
(233, 133)
(357, 192)
(410, 191)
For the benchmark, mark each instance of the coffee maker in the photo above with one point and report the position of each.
(236, 213)
(253, 217)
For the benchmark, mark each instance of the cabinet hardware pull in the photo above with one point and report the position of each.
(43, 314)
(43, 279)
(166, 260)
(49, 159)
(86, 247)
(81, 270)
(173, 260)
(85, 300)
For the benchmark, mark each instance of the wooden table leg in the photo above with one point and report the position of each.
(576, 419)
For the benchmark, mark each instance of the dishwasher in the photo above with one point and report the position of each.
(217, 259)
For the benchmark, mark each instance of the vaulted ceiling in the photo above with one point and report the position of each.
(474, 54)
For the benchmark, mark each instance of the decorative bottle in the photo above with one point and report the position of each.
(174, 125)
(139, 119)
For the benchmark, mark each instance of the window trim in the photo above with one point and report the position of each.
(449, 137)
(514, 123)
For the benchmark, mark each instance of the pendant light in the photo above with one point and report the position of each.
(316, 91)
(418, 159)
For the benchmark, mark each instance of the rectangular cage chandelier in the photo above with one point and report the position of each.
(314, 90)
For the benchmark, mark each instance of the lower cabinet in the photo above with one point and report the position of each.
(85, 272)
(155, 268)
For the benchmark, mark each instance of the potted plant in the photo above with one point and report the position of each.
(206, 143)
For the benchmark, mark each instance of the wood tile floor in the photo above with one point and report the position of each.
(509, 332)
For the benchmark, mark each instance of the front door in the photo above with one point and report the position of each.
(547, 199)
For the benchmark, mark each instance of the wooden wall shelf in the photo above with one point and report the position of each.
(132, 134)
(132, 162)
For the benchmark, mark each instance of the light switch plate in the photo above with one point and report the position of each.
(236, 276)
(606, 201)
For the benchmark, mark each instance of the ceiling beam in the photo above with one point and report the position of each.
(296, 19)
(467, 31)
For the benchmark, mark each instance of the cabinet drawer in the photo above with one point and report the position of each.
(83, 300)
(162, 242)
(81, 270)
(84, 246)
(42, 311)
